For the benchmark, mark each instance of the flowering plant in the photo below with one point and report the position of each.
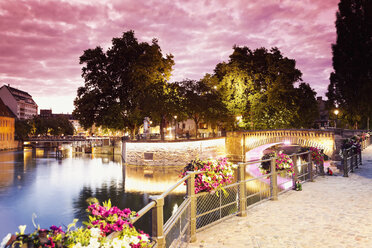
(108, 227)
(353, 143)
(282, 163)
(316, 155)
(365, 136)
(217, 173)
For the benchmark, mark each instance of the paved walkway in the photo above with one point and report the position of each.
(333, 211)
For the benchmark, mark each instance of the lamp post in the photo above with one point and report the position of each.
(175, 127)
(238, 118)
(336, 113)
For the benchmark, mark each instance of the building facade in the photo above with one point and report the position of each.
(7, 129)
(323, 120)
(19, 102)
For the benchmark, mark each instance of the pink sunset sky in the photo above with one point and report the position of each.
(41, 41)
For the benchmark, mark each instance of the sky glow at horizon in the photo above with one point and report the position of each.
(41, 41)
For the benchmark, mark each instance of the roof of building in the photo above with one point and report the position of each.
(20, 95)
(15, 91)
(5, 111)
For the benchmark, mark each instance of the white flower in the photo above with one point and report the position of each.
(116, 243)
(5, 240)
(78, 245)
(95, 232)
(22, 229)
(145, 238)
(93, 243)
(134, 240)
(106, 245)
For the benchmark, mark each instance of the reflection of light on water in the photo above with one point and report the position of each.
(151, 186)
(152, 179)
(175, 208)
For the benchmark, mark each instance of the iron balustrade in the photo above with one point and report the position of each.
(352, 158)
(199, 211)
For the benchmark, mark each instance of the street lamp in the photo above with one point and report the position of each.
(238, 118)
(336, 113)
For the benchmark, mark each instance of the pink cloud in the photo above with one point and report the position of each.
(41, 41)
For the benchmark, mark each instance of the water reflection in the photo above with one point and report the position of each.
(57, 189)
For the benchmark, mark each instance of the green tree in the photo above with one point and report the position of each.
(162, 103)
(117, 82)
(351, 82)
(259, 85)
(200, 102)
(307, 106)
(22, 129)
(51, 126)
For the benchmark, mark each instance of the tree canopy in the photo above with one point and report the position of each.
(200, 102)
(351, 82)
(259, 86)
(117, 82)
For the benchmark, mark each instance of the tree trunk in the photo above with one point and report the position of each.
(196, 120)
(162, 128)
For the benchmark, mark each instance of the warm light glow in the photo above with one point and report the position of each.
(175, 117)
(173, 149)
(238, 118)
(287, 142)
(336, 112)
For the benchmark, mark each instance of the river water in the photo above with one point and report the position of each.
(56, 190)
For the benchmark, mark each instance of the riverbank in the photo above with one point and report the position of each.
(333, 211)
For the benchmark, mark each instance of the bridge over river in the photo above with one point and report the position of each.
(238, 143)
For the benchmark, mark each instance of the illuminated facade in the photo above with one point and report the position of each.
(6, 127)
(19, 102)
(238, 143)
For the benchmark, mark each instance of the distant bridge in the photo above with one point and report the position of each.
(56, 141)
(238, 143)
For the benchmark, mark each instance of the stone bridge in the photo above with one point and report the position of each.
(240, 142)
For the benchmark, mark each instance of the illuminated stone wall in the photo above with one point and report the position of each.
(238, 143)
(172, 153)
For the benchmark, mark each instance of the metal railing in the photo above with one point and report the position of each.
(199, 211)
(352, 157)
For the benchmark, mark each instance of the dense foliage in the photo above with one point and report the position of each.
(43, 126)
(351, 86)
(259, 86)
(118, 82)
(129, 82)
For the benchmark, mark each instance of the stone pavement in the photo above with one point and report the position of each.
(333, 211)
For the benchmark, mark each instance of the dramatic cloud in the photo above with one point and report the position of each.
(41, 41)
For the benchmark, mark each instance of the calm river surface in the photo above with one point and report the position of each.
(56, 190)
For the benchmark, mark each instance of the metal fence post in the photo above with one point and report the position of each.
(158, 221)
(191, 195)
(321, 168)
(346, 169)
(296, 172)
(352, 158)
(310, 167)
(360, 157)
(242, 191)
(273, 180)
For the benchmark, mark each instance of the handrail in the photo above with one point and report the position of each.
(143, 211)
(152, 204)
(175, 186)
